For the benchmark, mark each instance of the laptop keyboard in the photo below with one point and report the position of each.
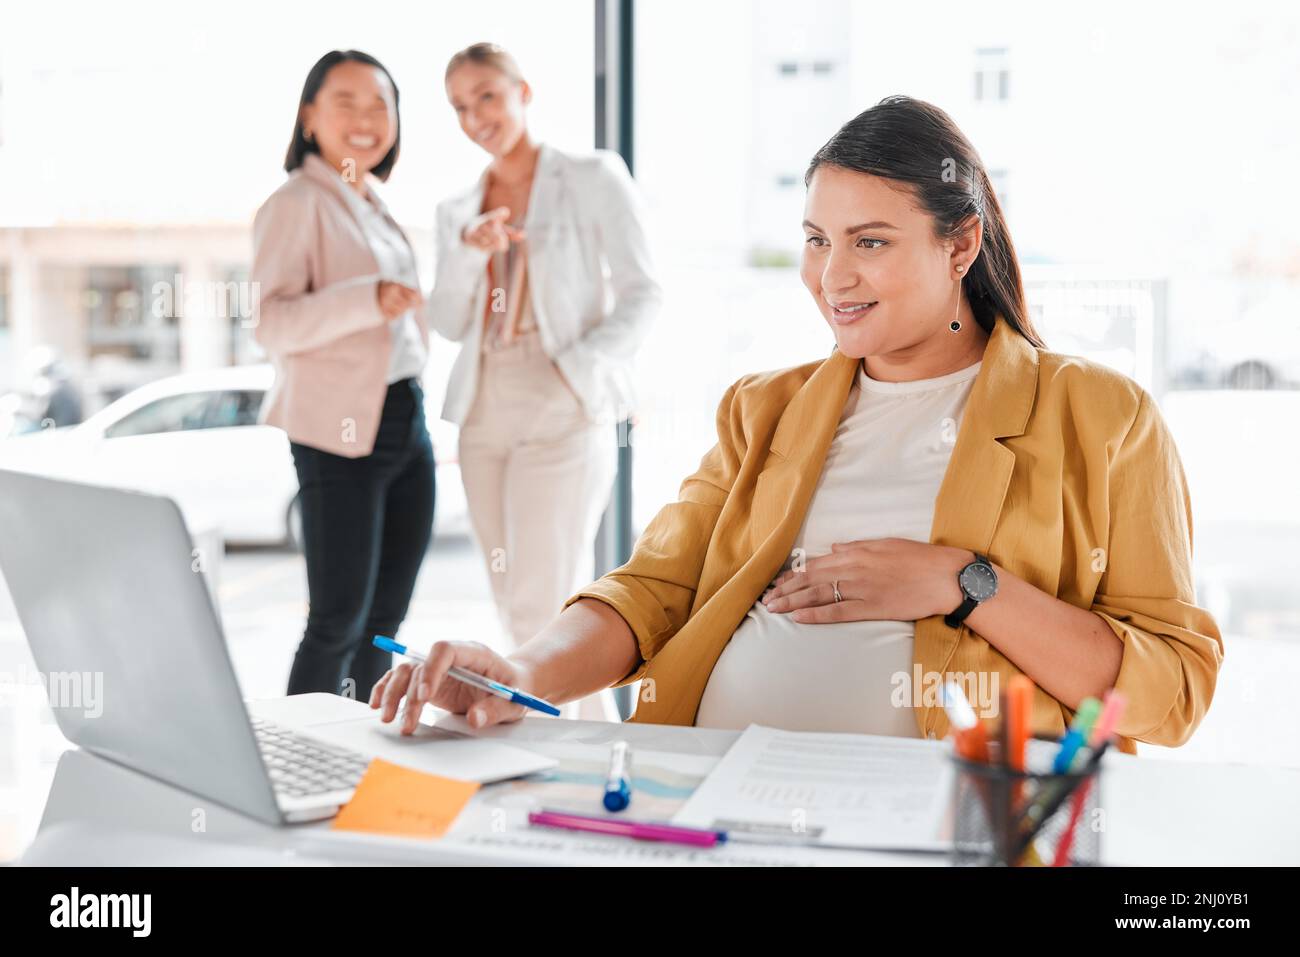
(303, 767)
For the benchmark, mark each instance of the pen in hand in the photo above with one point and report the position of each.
(496, 688)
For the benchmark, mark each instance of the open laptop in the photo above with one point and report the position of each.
(123, 628)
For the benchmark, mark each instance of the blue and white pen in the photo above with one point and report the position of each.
(618, 783)
(470, 678)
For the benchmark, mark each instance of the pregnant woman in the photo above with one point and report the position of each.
(941, 496)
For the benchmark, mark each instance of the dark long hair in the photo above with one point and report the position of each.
(914, 142)
(300, 146)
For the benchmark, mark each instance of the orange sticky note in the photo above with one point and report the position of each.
(392, 799)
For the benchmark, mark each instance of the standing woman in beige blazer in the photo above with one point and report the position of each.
(544, 275)
(338, 312)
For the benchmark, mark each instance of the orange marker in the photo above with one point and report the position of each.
(969, 736)
(973, 744)
(1020, 708)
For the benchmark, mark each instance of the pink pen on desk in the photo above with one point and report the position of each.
(644, 831)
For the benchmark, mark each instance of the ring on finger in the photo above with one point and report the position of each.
(836, 586)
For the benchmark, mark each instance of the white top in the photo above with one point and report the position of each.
(396, 264)
(880, 480)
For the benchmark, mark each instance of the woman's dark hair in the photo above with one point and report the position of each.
(300, 146)
(914, 142)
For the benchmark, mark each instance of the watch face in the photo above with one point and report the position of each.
(979, 582)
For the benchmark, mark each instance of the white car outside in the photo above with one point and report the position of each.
(195, 438)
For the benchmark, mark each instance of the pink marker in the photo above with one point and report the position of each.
(1112, 707)
(648, 831)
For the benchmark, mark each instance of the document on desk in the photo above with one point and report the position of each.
(834, 790)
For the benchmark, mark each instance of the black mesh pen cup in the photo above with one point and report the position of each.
(1002, 817)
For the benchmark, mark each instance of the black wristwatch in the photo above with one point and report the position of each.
(979, 582)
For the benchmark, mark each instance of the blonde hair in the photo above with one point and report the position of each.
(485, 54)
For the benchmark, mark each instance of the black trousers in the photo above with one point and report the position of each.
(366, 524)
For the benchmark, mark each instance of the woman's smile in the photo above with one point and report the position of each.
(846, 313)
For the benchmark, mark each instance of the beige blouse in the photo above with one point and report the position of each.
(508, 314)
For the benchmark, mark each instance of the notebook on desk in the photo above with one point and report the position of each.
(830, 790)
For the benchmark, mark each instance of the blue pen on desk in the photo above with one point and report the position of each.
(470, 678)
(618, 783)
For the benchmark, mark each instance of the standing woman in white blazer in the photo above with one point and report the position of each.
(544, 274)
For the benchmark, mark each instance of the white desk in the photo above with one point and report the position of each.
(1157, 813)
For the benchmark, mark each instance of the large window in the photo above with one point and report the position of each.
(137, 140)
(177, 198)
(1143, 197)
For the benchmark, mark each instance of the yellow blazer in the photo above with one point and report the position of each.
(1063, 472)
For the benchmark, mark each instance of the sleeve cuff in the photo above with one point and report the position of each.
(1151, 680)
(644, 628)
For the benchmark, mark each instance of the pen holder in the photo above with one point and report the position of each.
(995, 809)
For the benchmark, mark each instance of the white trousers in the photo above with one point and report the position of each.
(538, 476)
